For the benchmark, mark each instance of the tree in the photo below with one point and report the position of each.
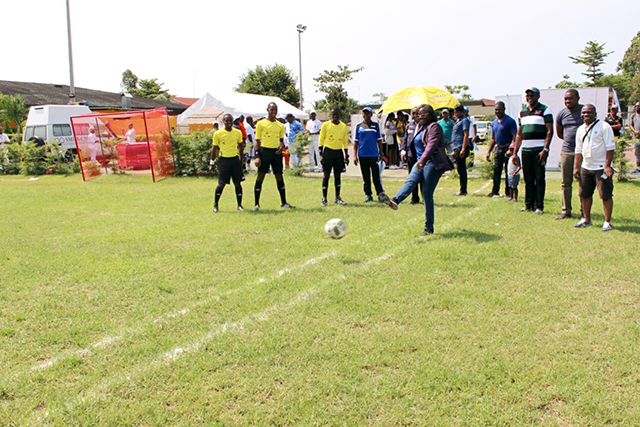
(566, 83)
(331, 83)
(630, 67)
(273, 80)
(144, 88)
(12, 109)
(381, 96)
(593, 56)
(459, 92)
(623, 85)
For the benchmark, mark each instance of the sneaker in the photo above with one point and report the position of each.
(497, 196)
(582, 223)
(323, 203)
(635, 171)
(341, 202)
(607, 226)
(383, 198)
(459, 194)
(240, 208)
(492, 195)
(392, 203)
(368, 199)
(215, 208)
(287, 205)
(563, 216)
(525, 209)
(256, 208)
(427, 232)
(538, 212)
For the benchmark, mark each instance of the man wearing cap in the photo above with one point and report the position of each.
(614, 120)
(293, 129)
(595, 145)
(534, 136)
(568, 121)
(634, 126)
(367, 148)
(313, 130)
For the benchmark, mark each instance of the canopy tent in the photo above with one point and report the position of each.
(411, 97)
(209, 109)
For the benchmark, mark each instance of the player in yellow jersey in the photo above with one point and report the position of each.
(228, 141)
(334, 153)
(269, 147)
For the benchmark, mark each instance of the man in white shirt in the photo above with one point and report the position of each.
(251, 140)
(4, 139)
(595, 145)
(313, 130)
(92, 139)
(130, 134)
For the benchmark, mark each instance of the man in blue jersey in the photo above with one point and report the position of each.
(367, 148)
(503, 134)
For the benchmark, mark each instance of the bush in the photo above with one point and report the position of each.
(192, 153)
(29, 159)
(620, 161)
(10, 158)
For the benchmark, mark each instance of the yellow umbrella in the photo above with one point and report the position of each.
(414, 96)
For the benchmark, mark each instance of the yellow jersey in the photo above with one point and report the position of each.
(334, 136)
(269, 133)
(227, 141)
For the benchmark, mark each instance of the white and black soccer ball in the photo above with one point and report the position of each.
(335, 228)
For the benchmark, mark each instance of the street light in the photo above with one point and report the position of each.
(301, 28)
(72, 86)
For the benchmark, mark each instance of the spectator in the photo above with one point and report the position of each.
(433, 162)
(504, 130)
(4, 139)
(313, 130)
(401, 127)
(390, 132)
(568, 121)
(634, 125)
(460, 146)
(614, 120)
(535, 131)
(446, 123)
(408, 151)
(130, 135)
(216, 126)
(367, 148)
(513, 178)
(251, 140)
(294, 128)
(595, 145)
(92, 139)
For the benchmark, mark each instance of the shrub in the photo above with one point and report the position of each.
(192, 153)
(620, 161)
(10, 158)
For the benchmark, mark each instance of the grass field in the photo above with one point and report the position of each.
(124, 302)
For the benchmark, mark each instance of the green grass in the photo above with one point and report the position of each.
(128, 302)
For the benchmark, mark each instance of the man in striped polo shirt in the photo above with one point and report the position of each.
(535, 131)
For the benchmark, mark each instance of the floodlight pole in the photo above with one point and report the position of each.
(300, 28)
(72, 86)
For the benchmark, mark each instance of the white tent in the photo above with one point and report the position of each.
(209, 109)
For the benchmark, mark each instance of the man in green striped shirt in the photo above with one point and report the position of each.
(535, 130)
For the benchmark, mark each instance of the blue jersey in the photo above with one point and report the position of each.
(367, 137)
(503, 132)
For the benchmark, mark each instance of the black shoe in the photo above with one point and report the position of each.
(563, 216)
(215, 208)
(341, 202)
(287, 205)
(414, 202)
(323, 203)
(426, 232)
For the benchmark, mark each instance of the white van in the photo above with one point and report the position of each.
(52, 123)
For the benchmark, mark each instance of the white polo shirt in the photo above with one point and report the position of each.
(131, 135)
(472, 130)
(594, 145)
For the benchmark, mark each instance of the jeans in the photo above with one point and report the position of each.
(534, 179)
(415, 197)
(369, 167)
(500, 161)
(428, 176)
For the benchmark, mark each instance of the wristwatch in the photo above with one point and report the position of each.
(545, 149)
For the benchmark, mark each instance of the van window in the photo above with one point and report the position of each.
(61, 130)
(31, 131)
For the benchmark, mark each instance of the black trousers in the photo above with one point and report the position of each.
(415, 196)
(500, 162)
(534, 178)
(369, 168)
(461, 166)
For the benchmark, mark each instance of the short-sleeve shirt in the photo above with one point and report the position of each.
(634, 120)
(472, 130)
(534, 125)
(612, 121)
(570, 122)
(313, 126)
(335, 137)
(294, 129)
(503, 131)
(269, 133)
(447, 128)
(593, 142)
(457, 135)
(227, 141)
(367, 137)
(251, 134)
(131, 135)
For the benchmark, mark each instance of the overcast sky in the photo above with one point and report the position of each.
(494, 47)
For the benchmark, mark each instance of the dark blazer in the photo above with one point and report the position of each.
(407, 143)
(433, 140)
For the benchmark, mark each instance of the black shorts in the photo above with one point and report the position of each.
(269, 158)
(590, 180)
(332, 159)
(230, 168)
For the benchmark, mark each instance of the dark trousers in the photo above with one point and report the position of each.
(369, 167)
(415, 198)
(461, 166)
(534, 178)
(499, 162)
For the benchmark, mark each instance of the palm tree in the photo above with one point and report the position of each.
(12, 109)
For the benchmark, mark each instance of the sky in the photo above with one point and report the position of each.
(194, 47)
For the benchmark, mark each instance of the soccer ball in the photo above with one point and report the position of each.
(335, 228)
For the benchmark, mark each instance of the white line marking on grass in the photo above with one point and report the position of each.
(483, 187)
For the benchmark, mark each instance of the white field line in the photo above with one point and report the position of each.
(109, 340)
(483, 187)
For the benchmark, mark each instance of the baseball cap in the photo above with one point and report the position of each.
(289, 115)
(313, 112)
(532, 89)
(368, 109)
